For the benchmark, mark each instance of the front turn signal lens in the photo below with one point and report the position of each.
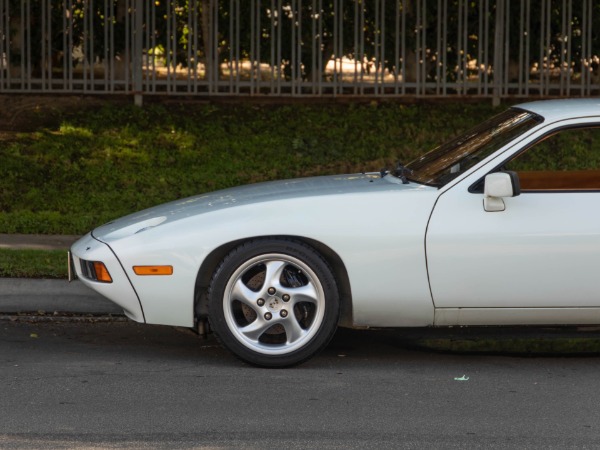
(101, 272)
(153, 270)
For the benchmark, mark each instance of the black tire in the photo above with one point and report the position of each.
(273, 302)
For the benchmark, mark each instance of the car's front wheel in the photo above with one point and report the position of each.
(273, 303)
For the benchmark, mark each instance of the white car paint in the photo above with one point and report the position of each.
(400, 244)
(354, 215)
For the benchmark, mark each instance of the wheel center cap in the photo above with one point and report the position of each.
(275, 304)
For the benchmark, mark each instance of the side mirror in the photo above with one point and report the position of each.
(497, 186)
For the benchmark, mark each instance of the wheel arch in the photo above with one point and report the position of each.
(213, 259)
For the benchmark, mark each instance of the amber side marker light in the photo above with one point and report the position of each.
(153, 270)
(102, 272)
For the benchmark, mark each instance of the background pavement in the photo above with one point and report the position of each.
(24, 295)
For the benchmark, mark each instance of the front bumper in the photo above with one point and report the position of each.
(120, 290)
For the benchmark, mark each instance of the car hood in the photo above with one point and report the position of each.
(247, 195)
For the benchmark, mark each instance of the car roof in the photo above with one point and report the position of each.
(563, 109)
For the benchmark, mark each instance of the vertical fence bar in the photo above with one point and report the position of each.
(155, 49)
(196, 45)
(292, 62)
(548, 71)
(258, 46)
(396, 65)
(339, 53)
(50, 48)
(486, 48)
(279, 45)
(459, 47)
(128, 55)
(47, 49)
(272, 36)
(377, 46)
(138, 49)
(42, 44)
(418, 46)
(541, 57)
(465, 54)
(583, 56)
(480, 39)
(231, 44)
(7, 52)
(175, 45)
(314, 40)
(527, 46)
(521, 50)
(439, 50)
(382, 64)
(299, 52)
(498, 47)
(423, 58)
(86, 47)
(589, 55)
(4, 44)
(147, 74)
(69, 47)
(506, 77)
(403, 51)
(444, 49)
(335, 46)
(563, 38)
(168, 50)
(569, 46)
(190, 44)
(252, 45)
(319, 55)
(356, 50)
(237, 44)
(92, 58)
(25, 45)
(361, 53)
(108, 41)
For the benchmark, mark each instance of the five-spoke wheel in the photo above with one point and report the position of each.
(274, 302)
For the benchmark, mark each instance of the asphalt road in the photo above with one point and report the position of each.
(124, 385)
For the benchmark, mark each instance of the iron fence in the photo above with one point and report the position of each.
(433, 48)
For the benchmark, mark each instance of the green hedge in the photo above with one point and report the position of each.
(97, 164)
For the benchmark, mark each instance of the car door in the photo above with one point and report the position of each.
(538, 260)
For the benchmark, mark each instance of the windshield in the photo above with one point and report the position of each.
(446, 162)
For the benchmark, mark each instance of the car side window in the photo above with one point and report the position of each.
(566, 160)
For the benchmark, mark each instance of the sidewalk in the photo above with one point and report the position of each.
(24, 295)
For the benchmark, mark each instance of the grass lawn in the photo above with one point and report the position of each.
(33, 263)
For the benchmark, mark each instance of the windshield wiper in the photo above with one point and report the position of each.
(401, 172)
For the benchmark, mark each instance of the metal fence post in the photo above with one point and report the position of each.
(138, 52)
(498, 52)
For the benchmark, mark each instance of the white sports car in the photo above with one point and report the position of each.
(500, 226)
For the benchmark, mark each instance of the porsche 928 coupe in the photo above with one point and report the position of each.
(500, 226)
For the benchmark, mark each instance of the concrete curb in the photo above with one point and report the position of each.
(20, 295)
